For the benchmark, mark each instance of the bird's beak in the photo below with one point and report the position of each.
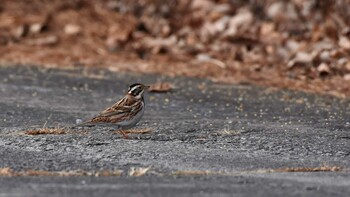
(146, 87)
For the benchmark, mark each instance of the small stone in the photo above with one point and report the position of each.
(78, 121)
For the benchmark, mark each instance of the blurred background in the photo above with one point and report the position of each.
(296, 44)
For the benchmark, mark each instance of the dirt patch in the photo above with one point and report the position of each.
(290, 44)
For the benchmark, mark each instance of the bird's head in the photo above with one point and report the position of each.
(137, 90)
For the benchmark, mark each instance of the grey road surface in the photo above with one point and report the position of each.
(205, 139)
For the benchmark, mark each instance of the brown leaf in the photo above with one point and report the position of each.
(49, 40)
(347, 64)
(161, 87)
(138, 131)
(267, 28)
(6, 172)
(306, 169)
(158, 27)
(347, 77)
(323, 69)
(36, 28)
(240, 23)
(202, 5)
(117, 35)
(301, 57)
(44, 131)
(206, 58)
(71, 29)
(156, 44)
(21, 31)
(138, 171)
(282, 11)
(344, 42)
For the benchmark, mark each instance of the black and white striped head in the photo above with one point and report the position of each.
(137, 90)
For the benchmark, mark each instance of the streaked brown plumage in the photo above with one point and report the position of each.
(124, 114)
(123, 110)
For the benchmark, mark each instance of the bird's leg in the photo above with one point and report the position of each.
(125, 136)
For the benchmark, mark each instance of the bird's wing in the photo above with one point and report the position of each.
(115, 110)
(120, 111)
(109, 114)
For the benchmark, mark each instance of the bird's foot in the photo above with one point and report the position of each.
(125, 136)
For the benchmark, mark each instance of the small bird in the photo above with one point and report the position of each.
(124, 114)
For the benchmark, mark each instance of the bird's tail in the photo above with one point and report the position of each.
(79, 123)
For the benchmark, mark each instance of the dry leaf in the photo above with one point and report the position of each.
(156, 44)
(45, 131)
(156, 27)
(49, 40)
(282, 11)
(202, 5)
(301, 57)
(304, 169)
(36, 28)
(206, 58)
(293, 45)
(118, 34)
(164, 34)
(325, 56)
(138, 171)
(160, 87)
(138, 131)
(108, 173)
(344, 42)
(347, 77)
(323, 68)
(21, 31)
(212, 29)
(267, 28)
(240, 23)
(6, 172)
(71, 29)
(228, 132)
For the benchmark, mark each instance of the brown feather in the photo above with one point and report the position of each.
(123, 110)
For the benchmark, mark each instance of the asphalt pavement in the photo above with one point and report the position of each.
(203, 139)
